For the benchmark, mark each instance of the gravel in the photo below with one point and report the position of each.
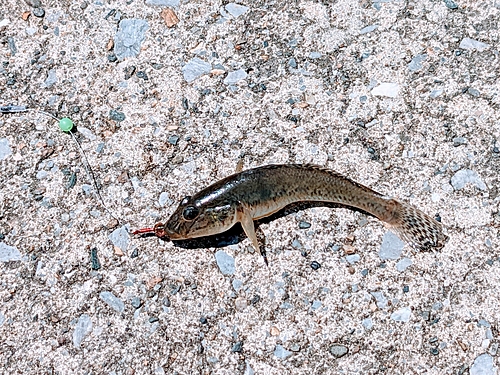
(391, 247)
(128, 40)
(308, 82)
(225, 262)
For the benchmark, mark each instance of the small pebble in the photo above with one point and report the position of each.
(387, 89)
(38, 12)
(83, 328)
(164, 3)
(128, 40)
(116, 115)
(471, 44)
(367, 323)
(403, 264)
(225, 262)
(94, 260)
(236, 10)
(173, 139)
(51, 79)
(142, 75)
(235, 76)
(391, 247)
(406, 289)
(483, 365)
(304, 225)
(120, 238)
(416, 63)
(368, 29)
(114, 302)
(351, 259)
(5, 149)
(315, 265)
(195, 68)
(338, 350)
(136, 302)
(281, 352)
(450, 4)
(8, 253)
(467, 176)
(153, 319)
(237, 347)
(435, 351)
(401, 315)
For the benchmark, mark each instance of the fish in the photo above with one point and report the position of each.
(257, 193)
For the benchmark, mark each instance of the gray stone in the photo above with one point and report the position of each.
(416, 63)
(225, 262)
(8, 253)
(234, 77)
(459, 141)
(281, 352)
(368, 29)
(339, 350)
(164, 199)
(435, 93)
(120, 238)
(51, 79)
(315, 55)
(388, 89)
(401, 315)
(354, 258)
(471, 44)
(2, 319)
(114, 302)
(380, 299)
(450, 4)
(5, 149)
(163, 3)
(391, 247)
(467, 176)
(237, 284)
(483, 365)
(316, 305)
(367, 323)
(403, 264)
(236, 10)
(83, 328)
(131, 33)
(116, 115)
(195, 68)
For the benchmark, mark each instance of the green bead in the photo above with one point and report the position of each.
(65, 124)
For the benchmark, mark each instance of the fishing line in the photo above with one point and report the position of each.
(66, 125)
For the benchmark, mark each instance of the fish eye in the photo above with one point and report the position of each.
(190, 213)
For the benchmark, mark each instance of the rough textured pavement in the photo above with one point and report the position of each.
(402, 96)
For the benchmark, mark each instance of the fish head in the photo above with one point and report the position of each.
(196, 218)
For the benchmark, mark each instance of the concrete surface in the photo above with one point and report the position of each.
(398, 95)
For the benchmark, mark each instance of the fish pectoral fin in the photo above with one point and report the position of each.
(248, 226)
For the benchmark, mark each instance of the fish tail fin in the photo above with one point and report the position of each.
(418, 229)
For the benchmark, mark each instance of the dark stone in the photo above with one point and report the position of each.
(255, 299)
(141, 74)
(38, 12)
(237, 347)
(116, 115)
(94, 260)
(203, 320)
(315, 265)
(304, 225)
(129, 72)
(153, 319)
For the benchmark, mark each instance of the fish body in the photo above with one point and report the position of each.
(260, 192)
